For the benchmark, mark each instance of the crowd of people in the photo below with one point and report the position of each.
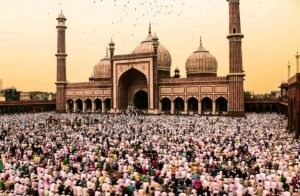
(92, 154)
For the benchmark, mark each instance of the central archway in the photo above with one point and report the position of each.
(131, 84)
(141, 100)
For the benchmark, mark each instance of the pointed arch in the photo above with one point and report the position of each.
(79, 105)
(98, 105)
(179, 105)
(166, 105)
(107, 103)
(193, 105)
(70, 105)
(207, 105)
(221, 105)
(88, 105)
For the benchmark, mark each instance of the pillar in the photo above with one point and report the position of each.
(75, 106)
(186, 107)
(84, 107)
(103, 107)
(199, 108)
(93, 106)
(160, 107)
(214, 107)
(172, 107)
(67, 107)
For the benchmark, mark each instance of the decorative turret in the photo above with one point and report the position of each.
(297, 62)
(176, 73)
(289, 70)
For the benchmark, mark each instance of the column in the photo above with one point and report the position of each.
(84, 107)
(214, 108)
(160, 107)
(67, 107)
(93, 106)
(75, 106)
(103, 107)
(172, 107)
(199, 108)
(186, 107)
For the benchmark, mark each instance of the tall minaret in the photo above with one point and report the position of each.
(236, 72)
(289, 70)
(111, 52)
(297, 62)
(61, 79)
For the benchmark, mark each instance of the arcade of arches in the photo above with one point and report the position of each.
(192, 106)
(88, 105)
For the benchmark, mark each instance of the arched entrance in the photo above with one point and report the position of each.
(166, 105)
(107, 104)
(267, 109)
(254, 108)
(130, 82)
(260, 109)
(141, 100)
(193, 105)
(221, 105)
(88, 105)
(274, 108)
(98, 105)
(179, 105)
(79, 105)
(70, 106)
(206, 104)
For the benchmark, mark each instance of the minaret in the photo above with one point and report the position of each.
(111, 51)
(289, 70)
(61, 55)
(155, 45)
(236, 72)
(297, 62)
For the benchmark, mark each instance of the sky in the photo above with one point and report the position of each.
(28, 37)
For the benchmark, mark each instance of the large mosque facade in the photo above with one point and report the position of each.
(142, 79)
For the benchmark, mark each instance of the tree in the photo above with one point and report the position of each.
(11, 94)
(247, 94)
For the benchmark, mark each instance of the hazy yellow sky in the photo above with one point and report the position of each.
(28, 36)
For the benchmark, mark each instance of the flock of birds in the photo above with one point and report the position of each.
(141, 9)
(138, 13)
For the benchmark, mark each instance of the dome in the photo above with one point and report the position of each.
(102, 68)
(201, 63)
(163, 58)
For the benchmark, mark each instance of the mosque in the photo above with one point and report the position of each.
(142, 78)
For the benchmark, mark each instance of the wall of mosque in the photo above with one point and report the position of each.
(201, 99)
